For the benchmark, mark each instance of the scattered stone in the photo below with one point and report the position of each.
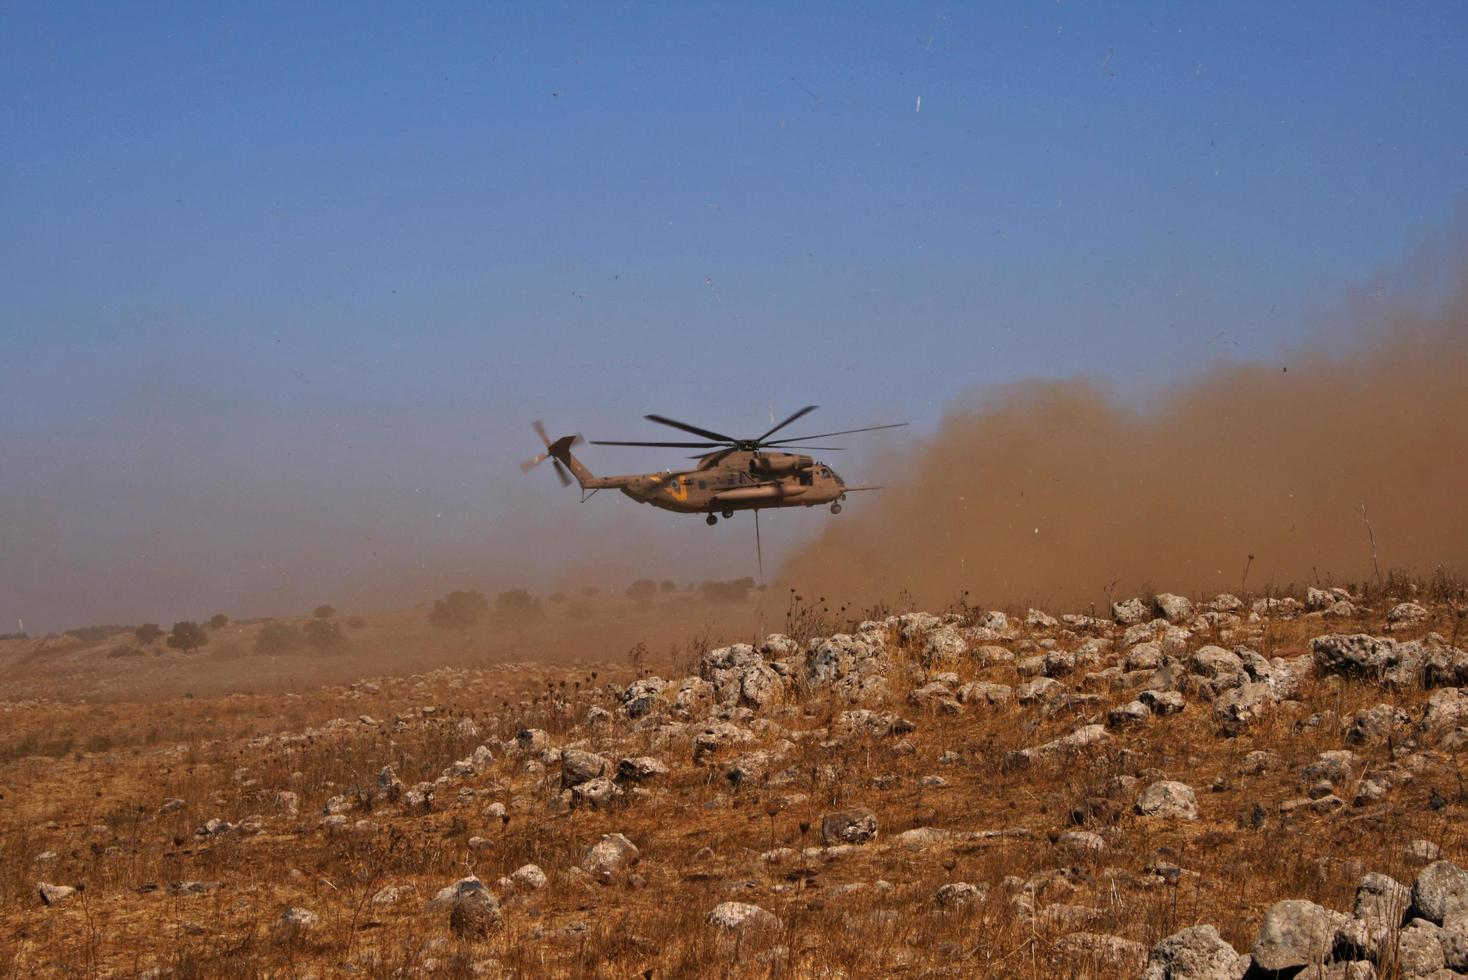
(1422, 851)
(1081, 841)
(294, 924)
(54, 894)
(1099, 948)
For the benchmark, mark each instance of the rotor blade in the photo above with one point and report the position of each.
(533, 462)
(823, 449)
(803, 412)
(562, 475)
(843, 432)
(540, 431)
(660, 420)
(664, 445)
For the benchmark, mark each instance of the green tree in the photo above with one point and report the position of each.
(218, 621)
(147, 633)
(187, 636)
(324, 612)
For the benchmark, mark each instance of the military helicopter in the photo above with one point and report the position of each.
(739, 474)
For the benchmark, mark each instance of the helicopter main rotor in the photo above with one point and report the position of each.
(724, 444)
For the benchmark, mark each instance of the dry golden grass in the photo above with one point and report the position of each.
(86, 784)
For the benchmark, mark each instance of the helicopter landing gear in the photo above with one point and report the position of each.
(836, 508)
(728, 515)
(711, 520)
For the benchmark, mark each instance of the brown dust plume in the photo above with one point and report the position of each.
(1055, 492)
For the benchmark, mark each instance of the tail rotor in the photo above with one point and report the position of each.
(549, 454)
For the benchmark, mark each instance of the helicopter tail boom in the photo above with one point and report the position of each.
(560, 450)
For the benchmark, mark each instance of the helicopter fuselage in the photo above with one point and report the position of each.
(737, 481)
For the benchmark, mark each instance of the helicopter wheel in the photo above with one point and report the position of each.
(835, 508)
(711, 520)
(728, 515)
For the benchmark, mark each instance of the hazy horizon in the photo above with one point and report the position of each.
(285, 287)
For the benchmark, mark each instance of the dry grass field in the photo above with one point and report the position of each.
(227, 813)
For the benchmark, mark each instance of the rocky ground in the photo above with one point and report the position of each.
(1200, 788)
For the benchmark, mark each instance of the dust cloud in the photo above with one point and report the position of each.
(1061, 493)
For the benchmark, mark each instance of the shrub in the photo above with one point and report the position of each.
(324, 612)
(278, 638)
(325, 635)
(92, 634)
(356, 623)
(734, 590)
(666, 585)
(125, 651)
(187, 636)
(459, 610)
(517, 605)
(642, 590)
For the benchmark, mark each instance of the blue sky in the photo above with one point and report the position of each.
(284, 284)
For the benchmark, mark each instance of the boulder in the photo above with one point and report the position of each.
(1294, 933)
(1130, 612)
(1236, 710)
(1381, 898)
(579, 766)
(1173, 608)
(958, 894)
(641, 696)
(609, 858)
(1128, 715)
(1440, 889)
(474, 911)
(741, 916)
(639, 769)
(1357, 654)
(855, 826)
(529, 877)
(1195, 953)
(1168, 798)
(1454, 941)
(1163, 702)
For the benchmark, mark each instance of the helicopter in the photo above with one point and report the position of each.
(737, 474)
